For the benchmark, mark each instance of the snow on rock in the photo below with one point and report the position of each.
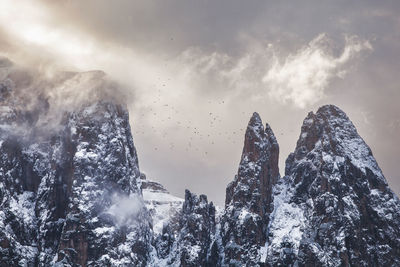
(162, 205)
(189, 237)
(249, 196)
(57, 193)
(287, 221)
(334, 200)
(104, 192)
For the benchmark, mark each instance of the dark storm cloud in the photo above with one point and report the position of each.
(178, 24)
(168, 25)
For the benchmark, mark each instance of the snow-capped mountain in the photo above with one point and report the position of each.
(334, 206)
(62, 199)
(72, 194)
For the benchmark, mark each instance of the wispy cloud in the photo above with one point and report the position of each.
(126, 209)
(302, 78)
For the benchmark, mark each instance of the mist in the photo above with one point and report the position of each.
(125, 209)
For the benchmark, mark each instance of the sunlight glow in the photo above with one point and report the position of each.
(29, 23)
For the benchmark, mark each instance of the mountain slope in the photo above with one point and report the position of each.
(337, 202)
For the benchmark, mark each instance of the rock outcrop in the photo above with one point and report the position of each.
(162, 206)
(189, 240)
(102, 175)
(248, 198)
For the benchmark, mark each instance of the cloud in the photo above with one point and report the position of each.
(34, 37)
(227, 75)
(303, 77)
(126, 209)
(300, 78)
(44, 98)
(256, 71)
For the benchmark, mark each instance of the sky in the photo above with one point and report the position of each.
(194, 71)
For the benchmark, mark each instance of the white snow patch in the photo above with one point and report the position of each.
(162, 207)
(86, 154)
(102, 230)
(287, 221)
(263, 252)
(24, 207)
(160, 197)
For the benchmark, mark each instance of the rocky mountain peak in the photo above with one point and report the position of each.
(258, 167)
(330, 135)
(197, 227)
(257, 138)
(249, 196)
(338, 196)
(324, 124)
(190, 240)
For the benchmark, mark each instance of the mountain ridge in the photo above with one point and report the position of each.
(78, 197)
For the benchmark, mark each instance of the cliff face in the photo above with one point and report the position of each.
(63, 198)
(248, 198)
(73, 195)
(103, 170)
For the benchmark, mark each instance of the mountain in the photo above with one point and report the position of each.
(334, 206)
(73, 197)
(72, 194)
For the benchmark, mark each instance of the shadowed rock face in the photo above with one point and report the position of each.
(258, 169)
(249, 196)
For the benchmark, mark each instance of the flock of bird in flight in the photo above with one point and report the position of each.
(196, 135)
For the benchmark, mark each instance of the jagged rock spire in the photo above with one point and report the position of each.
(258, 169)
(249, 196)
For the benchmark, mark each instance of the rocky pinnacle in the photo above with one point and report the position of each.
(249, 196)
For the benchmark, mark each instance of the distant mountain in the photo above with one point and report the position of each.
(72, 194)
